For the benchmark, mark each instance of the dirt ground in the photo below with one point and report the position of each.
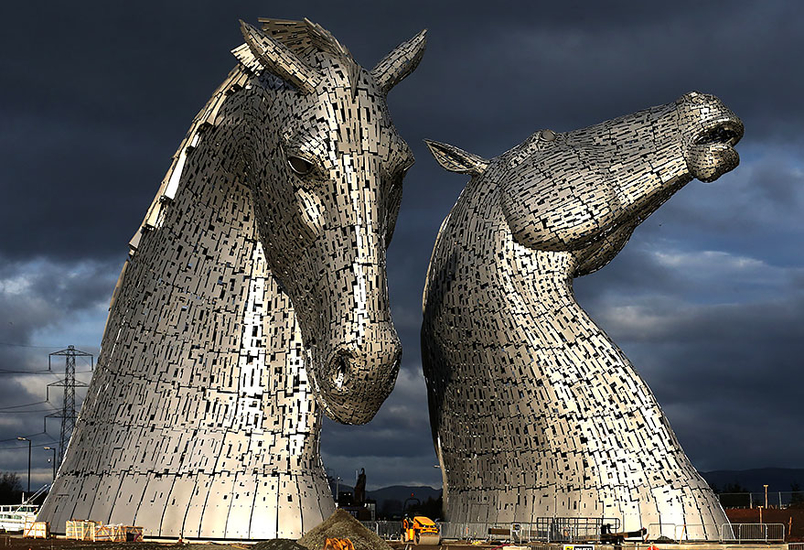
(792, 518)
(16, 542)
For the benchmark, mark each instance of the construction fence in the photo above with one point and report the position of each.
(752, 532)
(581, 530)
(387, 530)
(543, 529)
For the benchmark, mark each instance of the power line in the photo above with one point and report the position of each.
(24, 412)
(28, 435)
(51, 440)
(5, 371)
(9, 371)
(33, 346)
(21, 406)
(24, 405)
(15, 440)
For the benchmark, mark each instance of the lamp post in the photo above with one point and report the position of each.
(766, 496)
(53, 460)
(29, 461)
(335, 477)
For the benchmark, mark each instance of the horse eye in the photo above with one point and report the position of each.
(300, 166)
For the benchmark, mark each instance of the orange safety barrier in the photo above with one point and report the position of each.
(338, 544)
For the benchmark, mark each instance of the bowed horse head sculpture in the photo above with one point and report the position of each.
(535, 411)
(253, 297)
(326, 177)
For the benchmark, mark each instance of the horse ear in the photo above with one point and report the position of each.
(400, 62)
(457, 160)
(279, 60)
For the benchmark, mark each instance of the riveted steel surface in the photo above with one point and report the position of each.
(254, 296)
(535, 412)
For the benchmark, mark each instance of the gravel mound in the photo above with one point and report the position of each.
(341, 525)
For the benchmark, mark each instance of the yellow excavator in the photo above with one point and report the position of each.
(420, 530)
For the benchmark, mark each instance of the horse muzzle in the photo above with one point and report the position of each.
(358, 376)
(711, 131)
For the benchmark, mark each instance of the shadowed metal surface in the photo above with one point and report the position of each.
(535, 412)
(254, 296)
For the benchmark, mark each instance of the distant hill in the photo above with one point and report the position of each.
(403, 492)
(394, 492)
(391, 500)
(777, 479)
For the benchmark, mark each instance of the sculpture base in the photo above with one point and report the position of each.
(469, 545)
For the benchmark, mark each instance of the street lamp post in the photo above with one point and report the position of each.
(335, 477)
(29, 461)
(52, 460)
(766, 496)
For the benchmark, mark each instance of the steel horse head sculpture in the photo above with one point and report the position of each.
(535, 412)
(255, 293)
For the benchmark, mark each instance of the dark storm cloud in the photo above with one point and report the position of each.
(42, 299)
(719, 396)
(706, 299)
(100, 97)
(397, 430)
(395, 447)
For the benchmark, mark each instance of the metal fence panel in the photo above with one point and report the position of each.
(385, 529)
(752, 532)
(562, 529)
(544, 529)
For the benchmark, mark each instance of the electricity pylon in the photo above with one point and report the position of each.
(67, 413)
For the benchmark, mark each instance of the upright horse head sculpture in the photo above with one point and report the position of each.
(535, 412)
(255, 291)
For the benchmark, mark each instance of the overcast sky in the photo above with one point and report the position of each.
(707, 299)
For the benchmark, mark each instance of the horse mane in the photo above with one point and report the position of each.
(303, 38)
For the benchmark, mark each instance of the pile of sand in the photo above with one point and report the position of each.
(278, 544)
(342, 525)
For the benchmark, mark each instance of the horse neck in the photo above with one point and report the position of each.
(540, 285)
(197, 279)
(567, 344)
(531, 291)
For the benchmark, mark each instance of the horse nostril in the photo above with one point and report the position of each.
(341, 364)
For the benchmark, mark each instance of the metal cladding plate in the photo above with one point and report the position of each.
(254, 296)
(535, 412)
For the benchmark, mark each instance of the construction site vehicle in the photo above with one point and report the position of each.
(420, 530)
